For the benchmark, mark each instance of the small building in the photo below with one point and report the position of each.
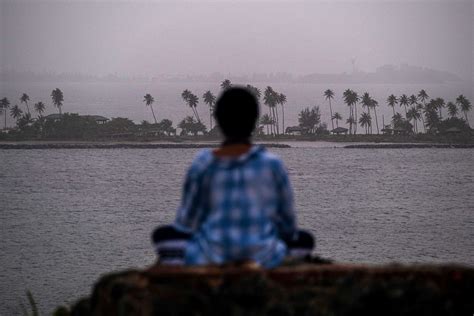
(298, 130)
(97, 118)
(53, 117)
(340, 130)
(452, 130)
(387, 130)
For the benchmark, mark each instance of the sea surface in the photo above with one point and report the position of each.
(126, 99)
(68, 216)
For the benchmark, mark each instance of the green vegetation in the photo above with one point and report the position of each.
(421, 119)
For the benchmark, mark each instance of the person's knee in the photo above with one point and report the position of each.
(168, 232)
(301, 245)
(170, 244)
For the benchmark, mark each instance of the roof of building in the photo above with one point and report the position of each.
(56, 116)
(453, 130)
(290, 129)
(96, 117)
(339, 130)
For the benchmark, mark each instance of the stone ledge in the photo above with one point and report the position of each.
(306, 289)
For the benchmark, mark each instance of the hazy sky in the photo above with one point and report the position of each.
(238, 37)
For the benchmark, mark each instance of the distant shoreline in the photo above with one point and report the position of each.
(118, 145)
(207, 144)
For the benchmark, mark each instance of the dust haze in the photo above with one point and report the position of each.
(189, 37)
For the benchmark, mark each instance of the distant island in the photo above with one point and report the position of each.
(389, 74)
(418, 118)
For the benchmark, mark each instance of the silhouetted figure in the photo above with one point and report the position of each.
(237, 202)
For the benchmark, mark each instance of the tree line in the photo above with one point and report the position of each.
(416, 110)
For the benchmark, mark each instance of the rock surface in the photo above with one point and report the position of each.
(305, 289)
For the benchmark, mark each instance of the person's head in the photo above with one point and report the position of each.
(236, 113)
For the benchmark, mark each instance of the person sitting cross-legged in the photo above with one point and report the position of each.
(237, 202)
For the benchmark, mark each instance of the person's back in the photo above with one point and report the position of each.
(240, 207)
(237, 202)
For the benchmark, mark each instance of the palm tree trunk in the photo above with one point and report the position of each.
(465, 115)
(350, 115)
(355, 127)
(5, 114)
(153, 112)
(283, 118)
(27, 107)
(376, 120)
(370, 126)
(337, 123)
(277, 120)
(210, 117)
(60, 111)
(423, 122)
(393, 109)
(197, 115)
(330, 109)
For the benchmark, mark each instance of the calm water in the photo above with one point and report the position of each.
(126, 99)
(68, 216)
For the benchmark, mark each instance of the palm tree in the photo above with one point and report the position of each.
(346, 96)
(351, 122)
(266, 120)
(40, 107)
(397, 118)
(4, 105)
(413, 100)
(404, 101)
(422, 95)
(329, 95)
(452, 109)
(392, 101)
(420, 108)
(281, 98)
(226, 84)
(465, 105)
(270, 99)
(58, 99)
(351, 98)
(256, 91)
(431, 114)
(24, 99)
(366, 102)
(148, 99)
(440, 104)
(185, 95)
(210, 100)
(16, 112)
(365, 121)
(414, 115)
(374, 104)
(355, 99)
(337, 117)
(192, 100)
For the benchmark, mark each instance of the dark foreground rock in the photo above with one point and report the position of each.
(307, 289)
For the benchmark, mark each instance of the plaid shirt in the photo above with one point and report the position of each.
(236, 209)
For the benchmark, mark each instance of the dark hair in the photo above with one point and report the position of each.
(236, 113)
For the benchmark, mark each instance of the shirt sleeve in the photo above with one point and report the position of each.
(286, 218)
